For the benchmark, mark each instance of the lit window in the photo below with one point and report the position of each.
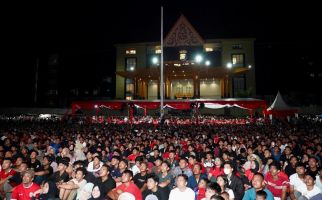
(209, 49)
(183, 55)
(158, 51)
(237, 46)
(130, 64)
(238, 59)
(130, 51)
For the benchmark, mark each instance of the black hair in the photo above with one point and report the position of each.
(184, 176)
(276, 164)
(214, 186)
(154, 177)
(261, 193)
(129, 172)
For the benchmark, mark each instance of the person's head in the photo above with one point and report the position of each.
(123, 164)
(309, 179)
(313, 162)
(225, 195)
(96, 193)
(152, 181)
(80, 173)
(127, 176)
(222, 181)
(28, 177)
(182, 181)
(216, 197)
(183, 163)
(62, 166)
(143, 167)
(18, 162)
(172, 154)
(261, 195)
(300, 168)
(192, 159)
(228, 168)
(203, 182)
(46, 160)
(165, 166)
(218, 162)
(212, 189)
(293, 160)
(6, 163)
(258, 181)
(274, 168)
(33, 154)
(96, 161)
(104, 171)
(158, 161)
(115, 161)
(197, 169)
(23, 167)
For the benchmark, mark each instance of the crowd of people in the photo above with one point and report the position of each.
(179, 159)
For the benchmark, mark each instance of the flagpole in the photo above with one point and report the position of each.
(161, 68)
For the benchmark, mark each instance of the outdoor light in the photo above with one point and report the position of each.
(95, 106)
(249, 66)
(207, 63)
(131, 68)
(198, 58)
(155, 60)
(229, 65)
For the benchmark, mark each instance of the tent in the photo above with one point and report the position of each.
(279, 108)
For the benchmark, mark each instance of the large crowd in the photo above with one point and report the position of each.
(177, 159)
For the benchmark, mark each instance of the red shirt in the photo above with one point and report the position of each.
(216, 171)
(276, 186)
(132, 188)
(23, 193)
(4, 175)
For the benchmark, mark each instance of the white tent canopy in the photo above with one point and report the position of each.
(279, 103)
(217, 106)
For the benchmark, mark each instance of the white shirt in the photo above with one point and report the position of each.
(312, 193)
(176, 194)
(298, 184)
(318, 182)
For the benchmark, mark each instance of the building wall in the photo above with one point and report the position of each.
(248, 50)
(210, 89)
(121, 64)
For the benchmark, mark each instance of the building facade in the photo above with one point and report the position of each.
(194, 67)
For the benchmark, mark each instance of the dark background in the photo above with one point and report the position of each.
(81, 35)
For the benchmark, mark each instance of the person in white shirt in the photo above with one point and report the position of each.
(318, 180)
(311, 189)
(182, 191)
(297, 184)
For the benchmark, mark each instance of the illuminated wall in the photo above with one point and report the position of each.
(210, 89)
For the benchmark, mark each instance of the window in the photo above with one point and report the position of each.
(238, 86)
(129, 89)
(209, 49)
(130, 51)
(183, 54)
(237, 46)
(130, 64)
(238, 60)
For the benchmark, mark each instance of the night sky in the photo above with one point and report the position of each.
(83, 34)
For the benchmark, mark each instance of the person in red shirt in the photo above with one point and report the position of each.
(127, 186)
(6, 173)
(27, 189)
(277, 181)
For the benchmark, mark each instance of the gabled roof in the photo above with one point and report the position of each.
(183, 34)
(279, 103)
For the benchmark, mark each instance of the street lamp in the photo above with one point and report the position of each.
(155, 60)
(229, 66)
(198, 58)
